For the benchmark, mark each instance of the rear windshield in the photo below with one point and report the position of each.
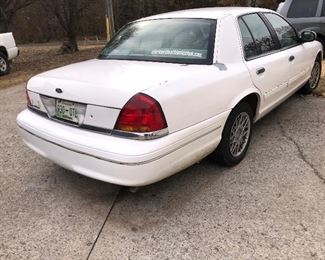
(188, 41)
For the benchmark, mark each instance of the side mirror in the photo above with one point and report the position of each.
(308, 36)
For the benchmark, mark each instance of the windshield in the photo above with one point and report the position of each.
(186, 41)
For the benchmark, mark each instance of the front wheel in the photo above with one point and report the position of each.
(4, 65)
(313, 82)
(236, 136)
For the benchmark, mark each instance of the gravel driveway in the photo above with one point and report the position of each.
(271, 206)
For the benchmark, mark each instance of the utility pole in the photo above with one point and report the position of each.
(110, 27)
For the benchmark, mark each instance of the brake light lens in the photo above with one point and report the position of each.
(141, 114)
(29, 103)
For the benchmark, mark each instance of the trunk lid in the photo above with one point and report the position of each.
(108, 83)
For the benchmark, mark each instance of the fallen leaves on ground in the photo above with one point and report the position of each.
(36, 59)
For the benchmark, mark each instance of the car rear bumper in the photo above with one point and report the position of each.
(117, 160)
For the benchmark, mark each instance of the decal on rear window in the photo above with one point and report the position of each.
(177, 52)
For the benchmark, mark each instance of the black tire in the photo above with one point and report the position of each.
(313, 82)
(223, 154)
(4, 65)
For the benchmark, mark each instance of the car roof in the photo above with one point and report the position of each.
(207, 13)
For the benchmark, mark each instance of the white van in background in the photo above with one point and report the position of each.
(8, 51)
(280, 7)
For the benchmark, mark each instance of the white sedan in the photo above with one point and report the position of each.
(167, 91)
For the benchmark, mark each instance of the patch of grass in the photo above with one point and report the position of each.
(37, 59)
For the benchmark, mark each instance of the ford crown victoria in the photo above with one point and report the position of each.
(167, 91)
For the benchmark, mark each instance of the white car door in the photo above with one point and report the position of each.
(268, 67)
(293, 50)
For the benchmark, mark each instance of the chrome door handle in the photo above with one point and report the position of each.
(260, 71)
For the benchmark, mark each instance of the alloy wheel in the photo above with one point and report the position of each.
(239, 135)
(315, 75)
(3, 65)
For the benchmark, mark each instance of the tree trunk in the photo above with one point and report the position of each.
(69, 24)
(72, 26)
(4, 23)
(73, 44)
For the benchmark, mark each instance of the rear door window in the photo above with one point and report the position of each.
(262, 37)
(303, 8)
(248, 41)
(285, 32)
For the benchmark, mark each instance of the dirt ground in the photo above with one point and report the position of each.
(320, 91)
(40, 58)
(36, 59)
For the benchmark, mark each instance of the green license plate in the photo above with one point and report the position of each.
(66, 110)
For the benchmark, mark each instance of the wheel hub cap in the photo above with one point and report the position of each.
(315, 74)
(239, 135)
(3, 65)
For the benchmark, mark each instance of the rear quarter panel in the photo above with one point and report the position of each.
(206, 93)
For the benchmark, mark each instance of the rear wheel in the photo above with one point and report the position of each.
(313, 82)
(236, 136)
(4, 65)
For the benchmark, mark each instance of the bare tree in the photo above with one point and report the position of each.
(68, 14)
(69, 19)
(8, 9)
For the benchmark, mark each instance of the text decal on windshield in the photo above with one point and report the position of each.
(177, 52)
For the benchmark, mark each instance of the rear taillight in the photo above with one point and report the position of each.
(141, 114)
(29, 103)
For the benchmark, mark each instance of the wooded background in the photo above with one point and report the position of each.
(51, 20)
